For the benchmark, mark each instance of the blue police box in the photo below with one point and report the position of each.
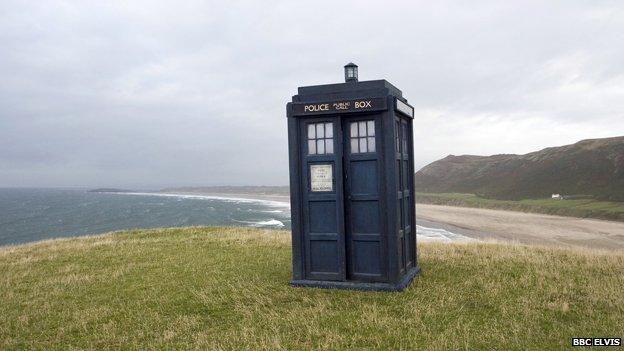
(352, 185)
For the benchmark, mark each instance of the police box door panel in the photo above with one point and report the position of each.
(362, 171)
(324, 249)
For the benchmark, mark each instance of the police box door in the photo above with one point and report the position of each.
(365, 244)
(323, 229)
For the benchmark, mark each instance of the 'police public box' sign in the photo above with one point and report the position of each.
(342, 106)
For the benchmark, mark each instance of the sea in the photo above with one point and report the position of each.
(28, 215)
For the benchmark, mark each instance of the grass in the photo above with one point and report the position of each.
(585, 208)
(226, 288)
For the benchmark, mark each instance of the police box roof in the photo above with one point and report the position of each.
(370, 88)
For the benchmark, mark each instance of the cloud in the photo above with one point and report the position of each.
(150, 94)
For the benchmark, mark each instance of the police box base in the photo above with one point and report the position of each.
(353, 285)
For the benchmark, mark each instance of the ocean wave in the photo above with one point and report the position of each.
(270, 203)
(436, 234)
(270, 223)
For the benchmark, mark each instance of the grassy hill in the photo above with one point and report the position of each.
(226, 288)
(592, 168)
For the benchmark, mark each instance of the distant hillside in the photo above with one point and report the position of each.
(590, 167)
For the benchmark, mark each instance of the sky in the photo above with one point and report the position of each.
(149, 94)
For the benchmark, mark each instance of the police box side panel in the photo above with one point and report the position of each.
(322, 201)
(295, 198)
(404, 195)
(412, 190)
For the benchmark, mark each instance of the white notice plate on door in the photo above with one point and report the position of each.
(321, 178)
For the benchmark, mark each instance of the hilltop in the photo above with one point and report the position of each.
(592, 168)
(227, 289)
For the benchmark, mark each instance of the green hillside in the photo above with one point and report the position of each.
(591, 168)
(226, 289)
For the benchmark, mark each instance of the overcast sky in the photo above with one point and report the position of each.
(150, 94)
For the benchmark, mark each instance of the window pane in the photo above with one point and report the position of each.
(320, 146)
(371, 128)
(362, 128)
(354, 146)
(371, 144)
(329, 130)
(354, 132)
(311, 147)
(362, 144)
(311, 131)
(329, 146)
(320, 130)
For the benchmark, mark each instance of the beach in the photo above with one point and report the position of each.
(524, 228)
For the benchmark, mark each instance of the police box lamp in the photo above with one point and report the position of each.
(351, 72)
(351, 160)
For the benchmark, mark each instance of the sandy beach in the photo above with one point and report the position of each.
(525, 228)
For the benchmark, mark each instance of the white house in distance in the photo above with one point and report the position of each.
(557, 197)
